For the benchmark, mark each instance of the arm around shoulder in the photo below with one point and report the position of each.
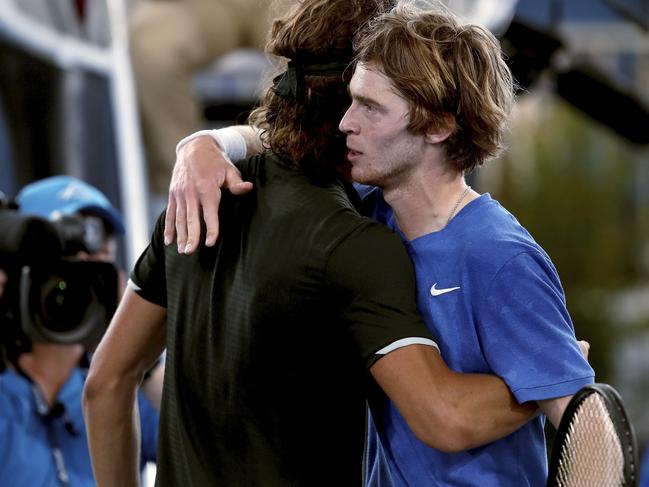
(447, 410)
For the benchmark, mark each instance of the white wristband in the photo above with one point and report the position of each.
(228, 139)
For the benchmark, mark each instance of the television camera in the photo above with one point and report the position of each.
(51, 295)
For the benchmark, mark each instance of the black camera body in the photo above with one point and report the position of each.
(51, 296)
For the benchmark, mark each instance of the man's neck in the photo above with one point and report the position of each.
(426, 202)
(49, 366)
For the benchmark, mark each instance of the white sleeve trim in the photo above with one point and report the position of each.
(228, 139)
(404, 342)
(133, 286)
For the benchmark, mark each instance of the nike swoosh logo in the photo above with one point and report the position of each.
(438, 292)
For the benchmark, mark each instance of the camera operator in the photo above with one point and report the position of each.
(41, 421)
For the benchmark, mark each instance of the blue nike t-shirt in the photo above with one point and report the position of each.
(492, 298)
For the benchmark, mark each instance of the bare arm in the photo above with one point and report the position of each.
(554, 408)
(133, 341)
(201, 170)
(447, 410)
(450, 411)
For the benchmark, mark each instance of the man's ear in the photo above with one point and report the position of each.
(442, 131)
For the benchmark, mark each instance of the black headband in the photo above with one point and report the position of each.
(288, 85)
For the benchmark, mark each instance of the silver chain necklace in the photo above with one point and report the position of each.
(457, 204)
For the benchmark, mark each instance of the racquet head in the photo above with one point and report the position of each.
(595, 444)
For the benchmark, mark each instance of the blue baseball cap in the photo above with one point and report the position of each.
(58, 196)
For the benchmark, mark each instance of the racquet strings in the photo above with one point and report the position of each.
(592, 453)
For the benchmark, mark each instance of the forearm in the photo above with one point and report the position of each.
(447, 410)
(554, 409)
(113, 431)
(134, 339)
(485, 407)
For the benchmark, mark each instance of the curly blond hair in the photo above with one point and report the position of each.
(448, 73)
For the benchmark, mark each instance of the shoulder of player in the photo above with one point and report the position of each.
(493, 236)
(489, 256)
(267, 169)
(250, 166)
(370, 241)
(489, 249)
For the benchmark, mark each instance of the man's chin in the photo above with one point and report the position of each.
(361, 177)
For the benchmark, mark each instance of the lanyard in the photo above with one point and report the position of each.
(48, 415)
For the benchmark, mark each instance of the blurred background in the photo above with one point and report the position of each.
(576, 173)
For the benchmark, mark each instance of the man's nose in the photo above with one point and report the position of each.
(346, 123)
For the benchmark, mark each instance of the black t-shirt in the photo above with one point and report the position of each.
(270, 334)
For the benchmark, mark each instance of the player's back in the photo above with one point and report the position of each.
(266, 362)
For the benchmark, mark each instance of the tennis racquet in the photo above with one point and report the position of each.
(595, 444)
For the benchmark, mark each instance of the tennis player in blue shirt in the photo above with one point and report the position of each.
(431, 98)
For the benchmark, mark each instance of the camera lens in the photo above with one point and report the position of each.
(69, 302)
(64, 303)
